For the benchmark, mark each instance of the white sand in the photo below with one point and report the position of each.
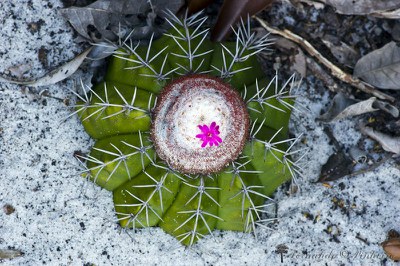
(60, 219)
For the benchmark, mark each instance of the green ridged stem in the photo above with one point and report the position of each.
(176, 58)
(106, 164)
(234, 205)
(149, 193)
(279, 113)
(273, 172)
(242, 77)
(95, 120)
(120, 70)
(177, 222)
(142, 186)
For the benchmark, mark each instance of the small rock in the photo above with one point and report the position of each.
(8, 209)
(42, 56)
(34, 27)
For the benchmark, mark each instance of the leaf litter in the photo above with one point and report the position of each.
(110, 20)
(364, 7)
(333, 44)
(57, 75)
(103, 23)
(344, 107)
(381, 67)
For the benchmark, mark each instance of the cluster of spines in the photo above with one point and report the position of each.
(146, 61)
(87, 101)
(254, 215)
(144, 204)
(246, 45)
(119, 159)
(191, 52)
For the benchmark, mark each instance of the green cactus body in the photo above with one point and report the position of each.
(118, 109)
(142, 144)
(156, 186)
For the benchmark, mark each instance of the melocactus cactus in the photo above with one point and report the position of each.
(190, 135)
(197, 107)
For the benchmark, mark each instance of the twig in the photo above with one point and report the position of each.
(336, 71)
(34, 94)
(371, 168)
(358, 236)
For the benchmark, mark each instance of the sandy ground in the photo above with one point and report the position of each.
(61, 219)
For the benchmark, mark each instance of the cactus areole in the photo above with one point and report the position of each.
(200, 124)
(190, 135)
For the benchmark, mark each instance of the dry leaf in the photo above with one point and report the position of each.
(298, 61)
(392, 248)
(343, 107)
(113, 19)
(10, 253)
(358, 155)
(388, 143)
(388, 108)
(316, 5)
(56, 75)
(335, 71)
(345, 54)
(299, 64)
(19, 70)
(362, 7)
(392, 14)
(337, 166)
(381, 67)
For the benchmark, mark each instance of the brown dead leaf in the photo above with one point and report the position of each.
(337, 166)
(388, 143)
(56, 75)
(362, 7)
(10, 253)
(343, 107)
(392, 14)
(344, 53)
(381, 67)
(392, 248)
(298, 60)
(113, 19)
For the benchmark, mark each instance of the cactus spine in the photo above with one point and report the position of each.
(130, 156)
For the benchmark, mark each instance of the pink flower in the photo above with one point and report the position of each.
(209, 135)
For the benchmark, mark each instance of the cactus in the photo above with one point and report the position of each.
(190, 135)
